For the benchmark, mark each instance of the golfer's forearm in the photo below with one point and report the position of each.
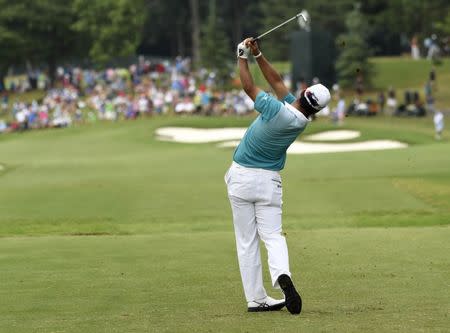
(245, 75)
(271, 75)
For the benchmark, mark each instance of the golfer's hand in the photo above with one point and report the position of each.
(253, 45)
(242, 51)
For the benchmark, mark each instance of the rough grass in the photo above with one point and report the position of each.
(408, 74)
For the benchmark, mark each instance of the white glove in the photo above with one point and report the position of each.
(242, 51)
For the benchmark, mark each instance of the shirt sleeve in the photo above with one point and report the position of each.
(267, 105)
(289, 98)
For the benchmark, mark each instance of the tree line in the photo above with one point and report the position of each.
(54, 31)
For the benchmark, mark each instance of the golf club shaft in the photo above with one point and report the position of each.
(280, 25)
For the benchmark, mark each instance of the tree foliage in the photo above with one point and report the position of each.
(215, 48)
(13, 36)
(353, 59)
(113, 27)
(13, 41)
(444, 26)
(37, 31)
(167, 29)
(273, 12)
(53, 31)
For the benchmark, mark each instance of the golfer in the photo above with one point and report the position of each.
(254, 182)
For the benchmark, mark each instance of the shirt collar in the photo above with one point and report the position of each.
(296, 112)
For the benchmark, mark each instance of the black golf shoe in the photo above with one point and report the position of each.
(292, 298)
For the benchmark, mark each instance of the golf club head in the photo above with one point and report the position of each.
(304, 21)
(302, 17)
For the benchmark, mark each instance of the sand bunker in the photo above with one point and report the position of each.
(337, 135)
(318, 148)
(231, 136)
(199, 135)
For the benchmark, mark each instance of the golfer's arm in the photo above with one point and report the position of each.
(272, 77)
(247, 80)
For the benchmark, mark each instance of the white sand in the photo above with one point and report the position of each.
(317, 148)
(228, 144)
(199, 135)
(337, 135)
(231, 136)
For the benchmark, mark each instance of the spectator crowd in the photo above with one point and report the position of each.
(150, 88)
(141, 90)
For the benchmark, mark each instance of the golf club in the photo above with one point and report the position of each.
(280, 25)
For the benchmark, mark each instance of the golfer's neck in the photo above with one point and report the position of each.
(296, 105)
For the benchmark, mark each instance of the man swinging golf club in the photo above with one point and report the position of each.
(254, 182)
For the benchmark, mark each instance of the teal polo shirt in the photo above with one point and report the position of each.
(269, 136)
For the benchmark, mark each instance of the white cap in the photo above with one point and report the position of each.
(318, 96)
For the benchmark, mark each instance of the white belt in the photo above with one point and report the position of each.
(256, 170)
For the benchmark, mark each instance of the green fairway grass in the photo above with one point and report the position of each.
(351, 280)
(105, 229)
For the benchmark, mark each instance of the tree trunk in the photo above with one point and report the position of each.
(51, 63)
(173, 45)
(180, 42)
(195, 32)
(3, 72)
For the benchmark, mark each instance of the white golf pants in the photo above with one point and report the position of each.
(256, 198)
